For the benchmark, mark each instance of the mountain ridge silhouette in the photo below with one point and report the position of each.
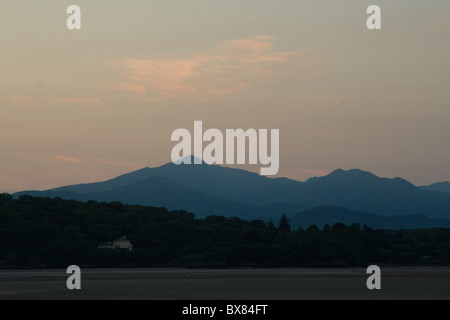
(216, 190)
(443, 187)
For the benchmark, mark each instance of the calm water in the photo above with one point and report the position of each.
(267, 284)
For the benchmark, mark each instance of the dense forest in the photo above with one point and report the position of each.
(56, 233)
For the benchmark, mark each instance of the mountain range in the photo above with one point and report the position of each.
(215, 190)
(333, 214)
(443, 187)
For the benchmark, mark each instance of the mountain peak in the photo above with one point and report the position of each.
(190, 160)
(351, 173)
(357, 179)
(354, 171)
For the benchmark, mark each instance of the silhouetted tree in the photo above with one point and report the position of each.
(5, 197)
(313, 228)
(284, 224)
(355, 226)
(54, 233)
(338, 226)
(271, 226)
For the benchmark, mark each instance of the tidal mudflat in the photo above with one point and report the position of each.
(240, 284)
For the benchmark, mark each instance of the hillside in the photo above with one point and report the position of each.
(332, 214)
(443, 187)
(54, 233)
(206, 189)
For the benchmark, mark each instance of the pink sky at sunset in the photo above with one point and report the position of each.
(88, 105)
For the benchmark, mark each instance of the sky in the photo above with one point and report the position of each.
(88, 105)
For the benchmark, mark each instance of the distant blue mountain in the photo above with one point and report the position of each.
(226, 183)
(443, 187)
(159, 191)
(332, 214)
(210, 189)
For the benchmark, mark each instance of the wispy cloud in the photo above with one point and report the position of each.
(19, 99)
(229, 67)
(117, 163)
(338, 100)
(78, 101)
(84, 161)
(99, 161)
(130, 87)
(68, 159)
(81, 101)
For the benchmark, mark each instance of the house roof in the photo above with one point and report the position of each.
(122, 239)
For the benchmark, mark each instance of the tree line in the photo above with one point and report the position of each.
(56, 233)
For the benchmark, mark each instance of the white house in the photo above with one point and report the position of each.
(121, 243)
